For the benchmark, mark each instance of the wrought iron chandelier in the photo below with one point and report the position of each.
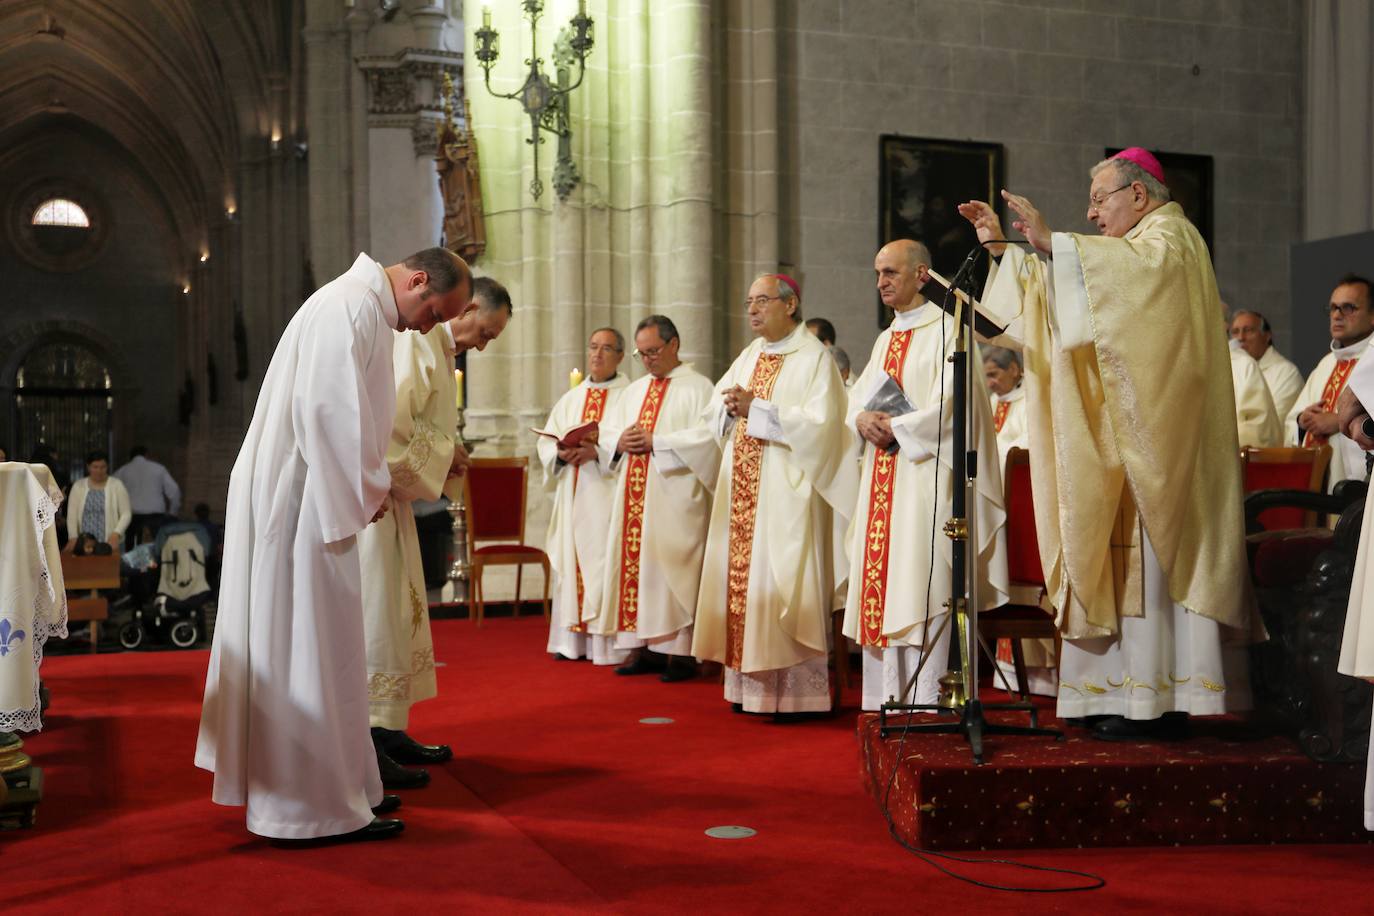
(545, 100)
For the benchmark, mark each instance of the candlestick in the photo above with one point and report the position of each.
(574, 378)
(458, 380)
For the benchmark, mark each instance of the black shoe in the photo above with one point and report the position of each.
(1086, 721)
(379, 829)
(646, 663)
(678, 671)
(402, 748)
(1169, 727)
(737, 707)
(388, 804)
(395, 776)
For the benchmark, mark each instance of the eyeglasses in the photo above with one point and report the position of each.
(1095, 201)
(760, 301)
(1345, 308)
(649, 354)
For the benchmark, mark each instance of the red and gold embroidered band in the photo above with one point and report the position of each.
(592, 410)
(999, 416)
(873, 595)
(745, 471)
(1335, 384)
(632, 527)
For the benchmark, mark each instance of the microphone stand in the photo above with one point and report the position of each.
(961, 529)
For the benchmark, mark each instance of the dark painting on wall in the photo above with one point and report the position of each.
(921, 181)
(1189, 178)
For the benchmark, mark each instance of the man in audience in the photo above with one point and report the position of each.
(774, 556)
(822, 330)
(665, 462)
(1257, 423)
(155, 495)
(1312, 419)
(583, 494)
(1283, 378)
(841, 363)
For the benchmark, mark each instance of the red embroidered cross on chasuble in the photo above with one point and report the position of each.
(593, 408)
(999, 416)
(1335, 384)
(636, 484)
(873, 598)
(744, 507)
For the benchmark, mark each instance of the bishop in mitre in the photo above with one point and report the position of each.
(774, 557)
(1133, 452)
(899, 557)
(1357, 645)
(665, 469)
(583, 494)
(284, 723)
(423, 455)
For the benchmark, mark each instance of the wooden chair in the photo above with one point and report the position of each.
(494, 489)
(1286, 469)
(1019, 621)
(88, 574)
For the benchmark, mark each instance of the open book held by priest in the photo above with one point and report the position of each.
(572, 438)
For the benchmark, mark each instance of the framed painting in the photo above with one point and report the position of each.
(1189, 177)
(921, 181)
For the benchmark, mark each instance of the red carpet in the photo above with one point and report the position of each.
(559, 801)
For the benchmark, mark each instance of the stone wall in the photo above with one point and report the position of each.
(1054, 81)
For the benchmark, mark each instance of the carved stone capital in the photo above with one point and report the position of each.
(405, 90)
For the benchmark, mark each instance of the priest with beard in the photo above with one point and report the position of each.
(284, 723)
(424, 456)
(582, 499)
(775, 565)
(1133, 453)
(900, 561)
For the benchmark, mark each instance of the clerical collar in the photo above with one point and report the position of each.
(787, 344)
(374, 275)
(905, 321)
(1015, 394)
(606, 384)
(1354, 351)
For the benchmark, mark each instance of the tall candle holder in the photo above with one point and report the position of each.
(458, 588)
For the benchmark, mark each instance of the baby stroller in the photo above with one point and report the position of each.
(180, 608)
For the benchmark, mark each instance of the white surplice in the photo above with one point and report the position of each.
(400, 647)
(576, 541)
(1347, 461)
(1012, 433)
(677, 504)
(807, 480)
(284, 724)
(1257, 423)
(1167, 659)
(1357, 644)
(1283, 378)
(915, 590)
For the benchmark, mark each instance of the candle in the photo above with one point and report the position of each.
(574, 378)
(458, 381)
(581, 7)
(486, 17)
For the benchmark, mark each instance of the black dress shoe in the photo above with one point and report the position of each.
(402, 748)
(395, 776)
(388, 804)
(678, 671)
(379, 829)
(1171, 726)
(646, 663)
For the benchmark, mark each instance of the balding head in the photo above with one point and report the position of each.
(902, 267)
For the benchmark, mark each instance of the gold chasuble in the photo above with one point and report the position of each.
(1131, 422)
(773, 568)
(901, 494)
(582, 499)
(661, 507)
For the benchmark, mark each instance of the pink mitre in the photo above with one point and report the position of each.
(796, 287)
(1146, 160)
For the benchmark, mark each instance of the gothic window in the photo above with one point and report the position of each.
(64, 399)
(59, 211)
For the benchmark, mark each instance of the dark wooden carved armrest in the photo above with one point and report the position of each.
(1346, 493)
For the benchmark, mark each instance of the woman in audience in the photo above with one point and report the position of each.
(98, 505)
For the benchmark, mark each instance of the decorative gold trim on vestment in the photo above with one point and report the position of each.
(593, 407)
(418, 453)
(745, 474)
(632, 527)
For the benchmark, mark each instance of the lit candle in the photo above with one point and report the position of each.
(458, 381)
(581, 7)
(486, 17)
(574, 378)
